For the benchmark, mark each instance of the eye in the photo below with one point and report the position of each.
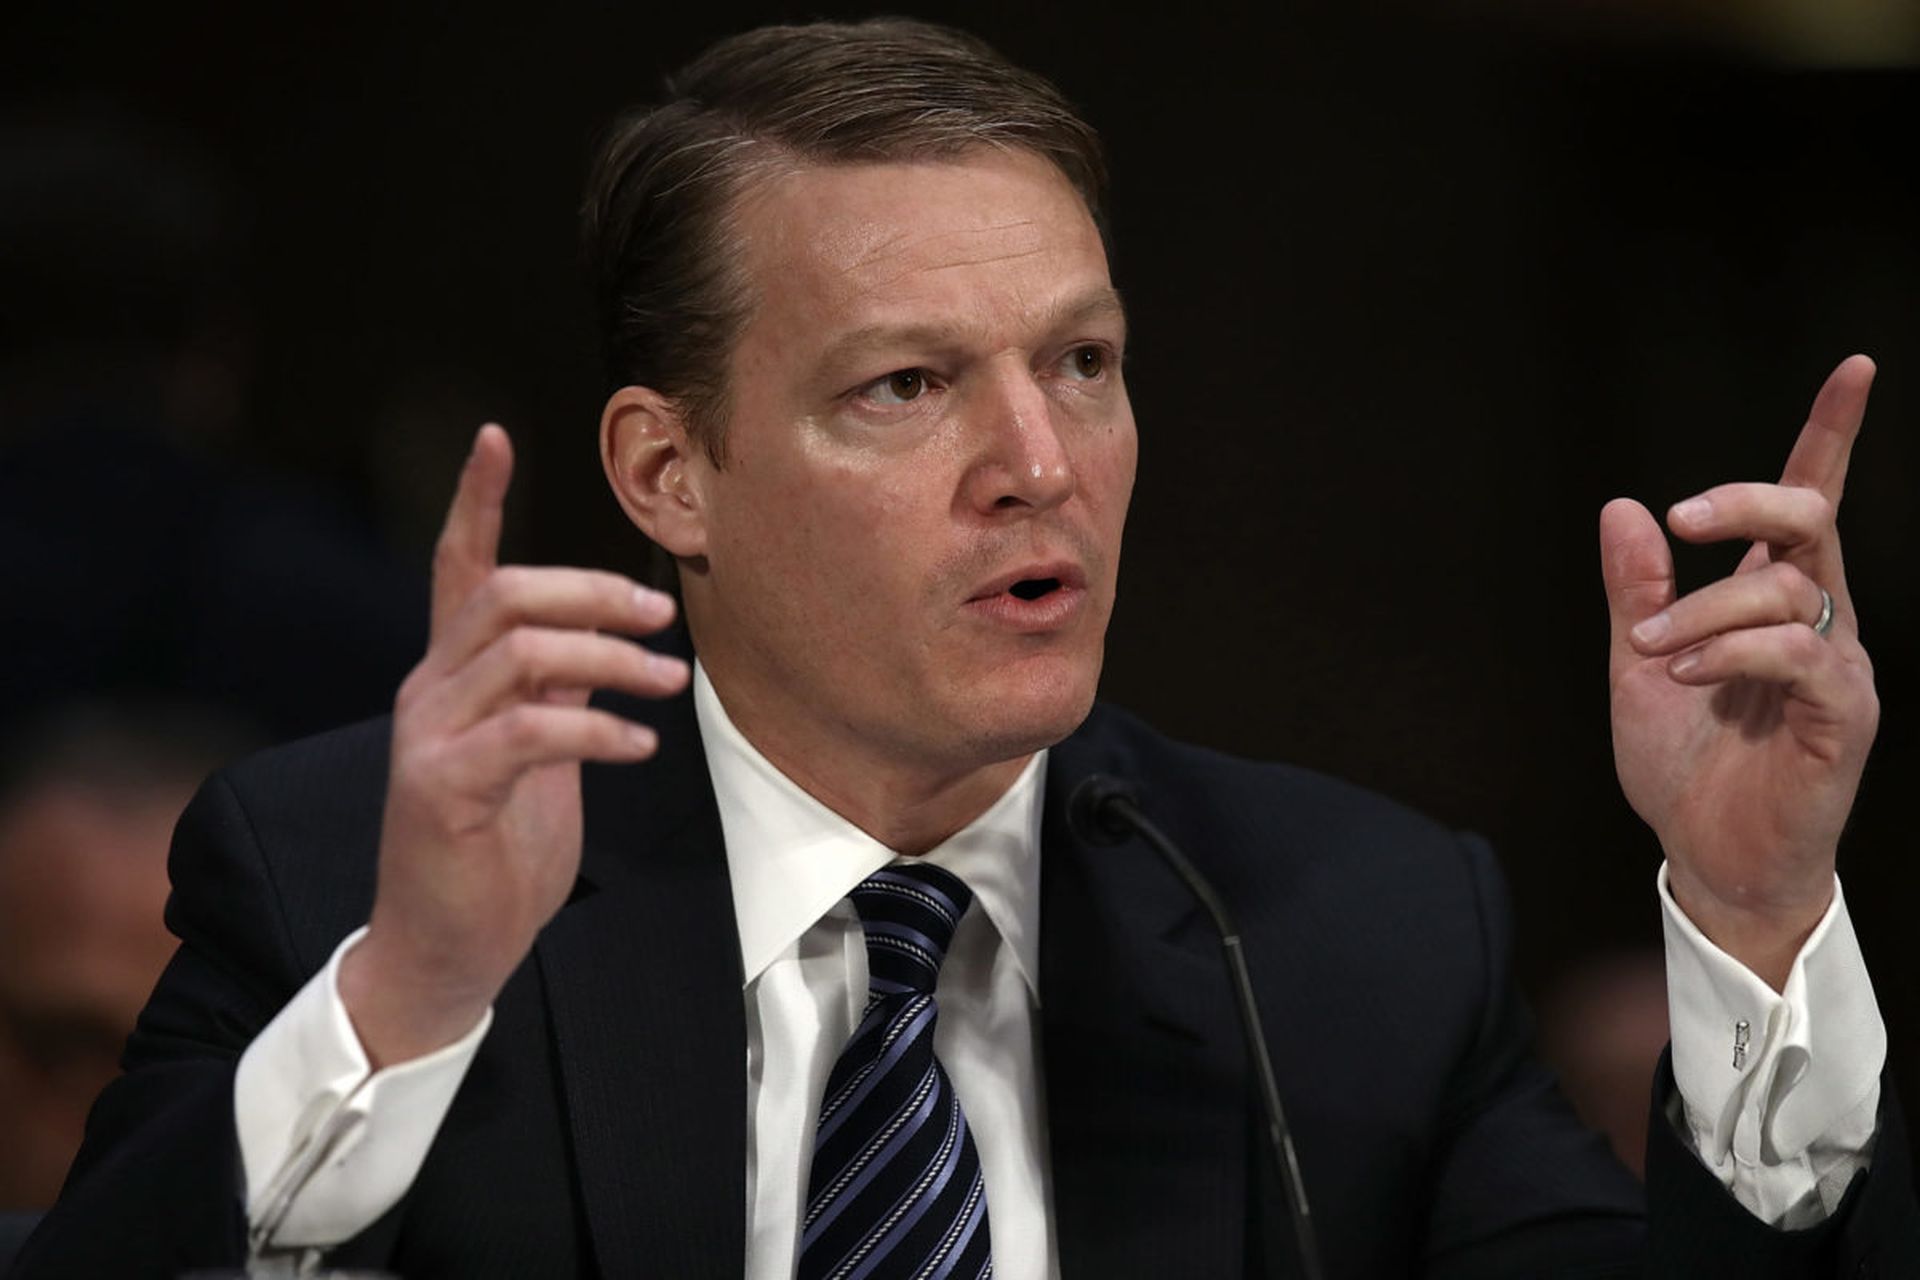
(1086, 363)
(899, 387)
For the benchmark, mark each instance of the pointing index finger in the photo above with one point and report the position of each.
(1819, 457)
(469, 546)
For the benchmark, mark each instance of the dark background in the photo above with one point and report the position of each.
(1412, 296)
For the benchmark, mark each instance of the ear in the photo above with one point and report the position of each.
(650, 461)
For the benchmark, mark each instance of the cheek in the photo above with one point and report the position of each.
(829, 540)
(1107, 471)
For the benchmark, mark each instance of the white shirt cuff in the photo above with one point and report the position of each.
(326, 1143)
(1780, 1090)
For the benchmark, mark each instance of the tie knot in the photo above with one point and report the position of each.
(908, 912)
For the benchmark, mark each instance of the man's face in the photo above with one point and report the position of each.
(83, 878)
(911, 548)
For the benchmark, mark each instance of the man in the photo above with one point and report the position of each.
(89, 795)
(867, 360)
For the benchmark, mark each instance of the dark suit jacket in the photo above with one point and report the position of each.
(601, 1128)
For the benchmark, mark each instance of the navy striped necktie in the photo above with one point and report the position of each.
(895, 1190)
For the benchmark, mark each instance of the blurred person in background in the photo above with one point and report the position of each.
(88, 799)
(1602, 1029)
(157, 591)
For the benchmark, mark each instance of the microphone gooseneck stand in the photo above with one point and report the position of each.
(1103, 811)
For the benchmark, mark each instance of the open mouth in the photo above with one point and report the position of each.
(1034, 588)
(1040, 596)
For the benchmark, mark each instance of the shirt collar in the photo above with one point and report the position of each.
(791, 859)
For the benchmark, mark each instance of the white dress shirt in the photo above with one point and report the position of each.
(1779, 1090)
(793, 861)
(328, 1145)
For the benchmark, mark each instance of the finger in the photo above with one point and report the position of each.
(1637, 568)
(529, 663)
(521, 595)
(1820, 455)
(469, 545)
(493, 753)
(1786, 517)
(1775, 594)
(1784, 523)
(1789, 655)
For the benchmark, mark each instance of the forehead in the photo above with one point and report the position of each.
(987, 239)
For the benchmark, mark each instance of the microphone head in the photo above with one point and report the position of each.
(1096, 809)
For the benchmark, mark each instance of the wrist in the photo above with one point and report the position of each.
(402, 1009)
(1765, 936)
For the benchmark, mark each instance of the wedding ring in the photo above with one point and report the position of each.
(1824, 623)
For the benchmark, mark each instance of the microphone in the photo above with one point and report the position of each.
(1104, 811)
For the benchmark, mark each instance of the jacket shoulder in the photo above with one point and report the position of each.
(352, 757)
(1235, 800)
(304, 820)
(1303, 858)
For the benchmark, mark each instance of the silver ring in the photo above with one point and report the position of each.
(1824, 623)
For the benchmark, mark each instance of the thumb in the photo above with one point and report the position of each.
(1637, 566)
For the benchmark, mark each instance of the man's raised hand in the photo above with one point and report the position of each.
(480, 840)
(1739, 732)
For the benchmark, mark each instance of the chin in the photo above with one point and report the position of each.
(1029, 706)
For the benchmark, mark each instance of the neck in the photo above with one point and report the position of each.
(906, 805)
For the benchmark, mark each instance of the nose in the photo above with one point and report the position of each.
(1023, 463)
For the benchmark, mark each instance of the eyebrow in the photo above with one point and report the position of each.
(1098, 304)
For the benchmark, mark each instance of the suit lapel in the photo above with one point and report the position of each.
(642, 974)
(1146, 1080)
(1146, 1090)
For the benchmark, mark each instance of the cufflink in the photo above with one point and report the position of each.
(1742, 1032)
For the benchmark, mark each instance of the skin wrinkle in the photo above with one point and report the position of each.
(880, 285)
(895, 243)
